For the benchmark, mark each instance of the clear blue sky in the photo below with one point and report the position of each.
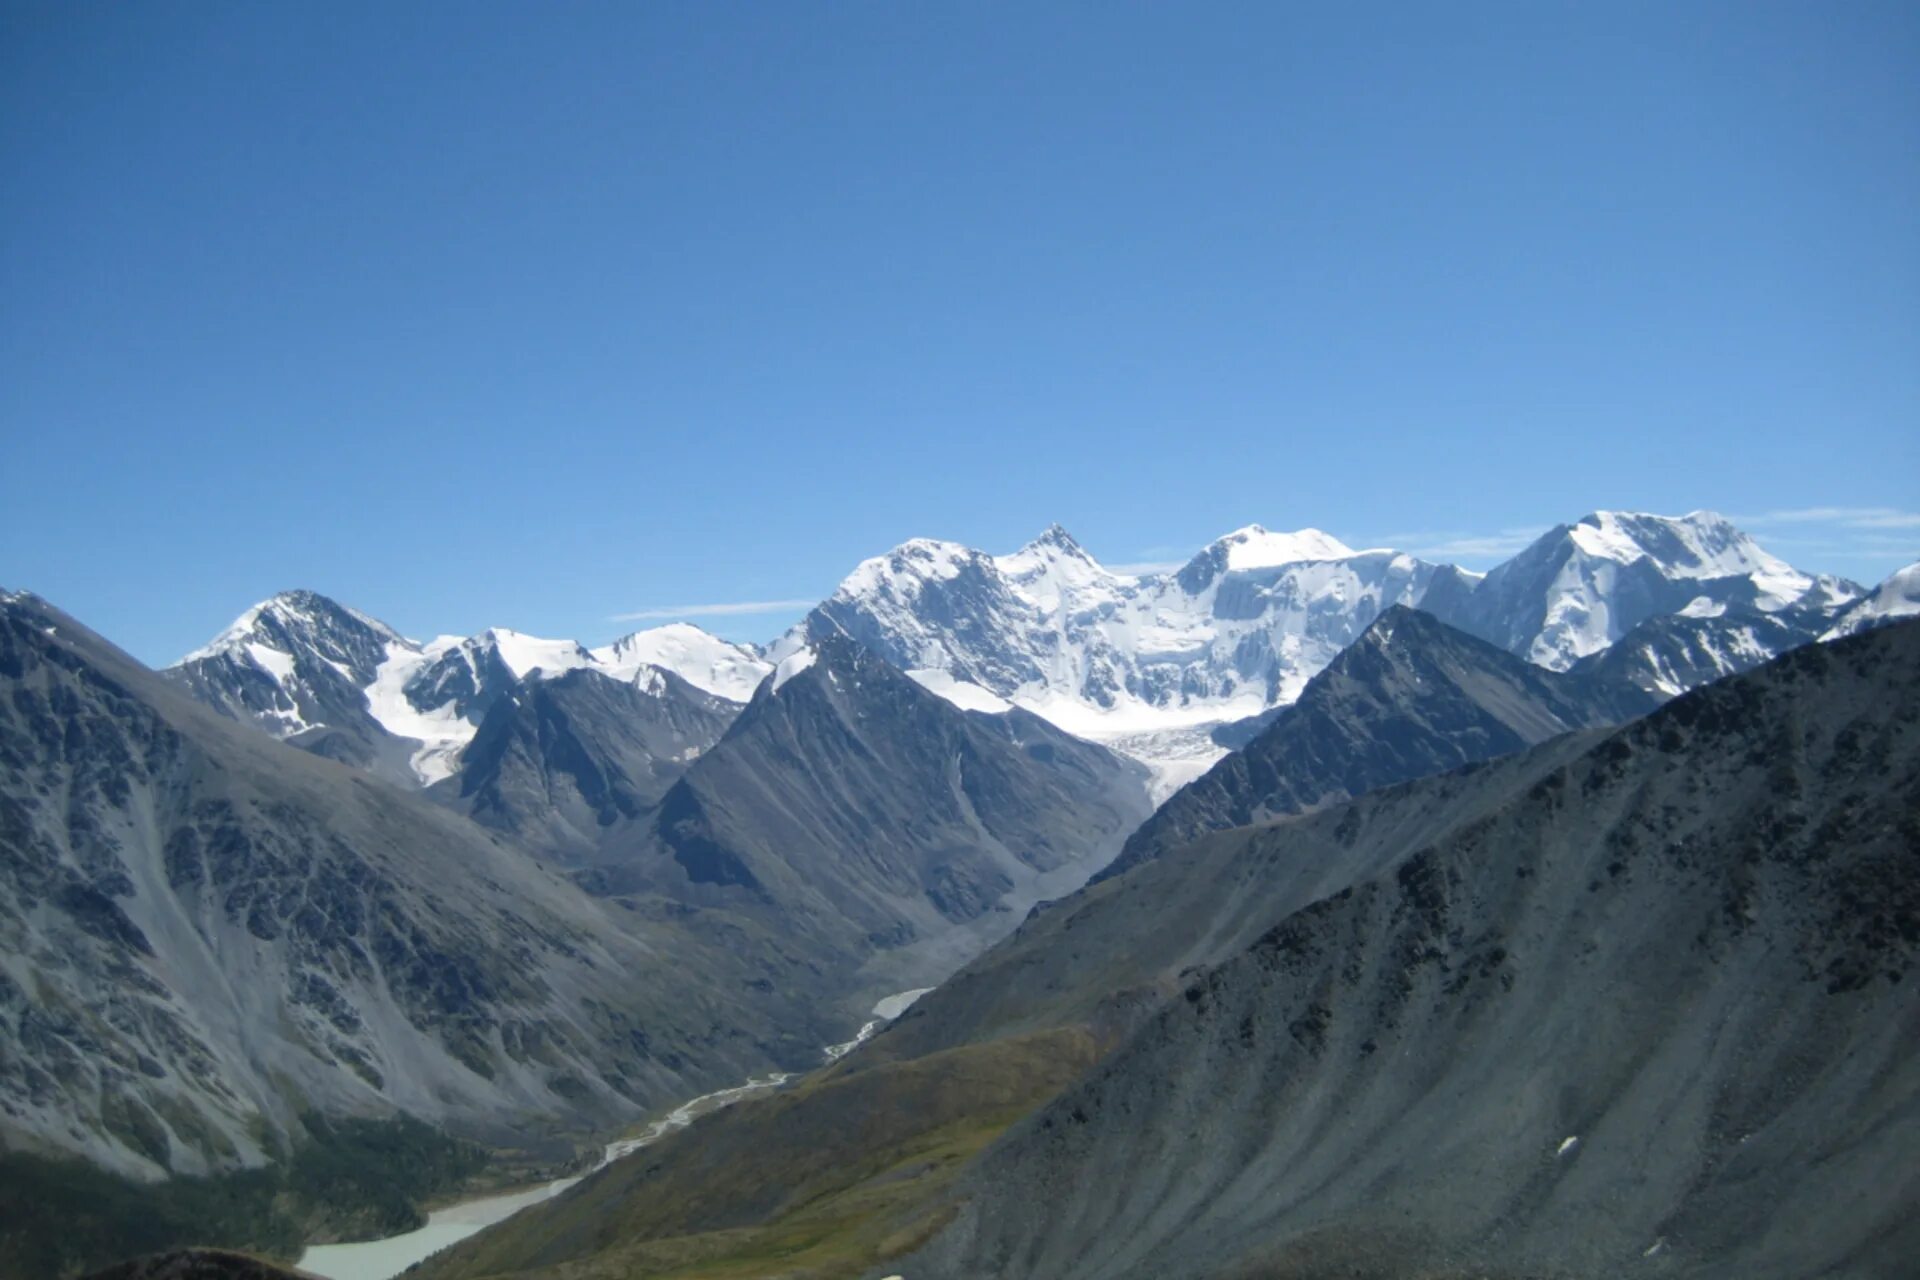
(533, 315)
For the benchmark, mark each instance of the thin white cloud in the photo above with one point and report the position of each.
(1456, 545)
(727, 609)
(1845, 517)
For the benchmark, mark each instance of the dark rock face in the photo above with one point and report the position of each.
(852, 811)
(210, 932)
(1409, 699)
(561, 761)
(1637, 1002)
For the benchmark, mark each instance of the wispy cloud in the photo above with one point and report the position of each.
(1141, 568)
(728, 609)
(1844, 517)
(1458, 545)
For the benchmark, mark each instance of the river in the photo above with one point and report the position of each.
(382, 1259)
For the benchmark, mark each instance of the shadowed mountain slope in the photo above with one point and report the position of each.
(1643, 1006)
(558, 762)
(865, 819)
(1410, 698)
(209, 934)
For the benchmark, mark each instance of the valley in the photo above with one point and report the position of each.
(524, 891)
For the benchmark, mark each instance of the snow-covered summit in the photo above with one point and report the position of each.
(1136, 661)
(720, 667)
(1580, 587)
(1896, 598)
(526, 655)
(291, 618)
(1700, 544)
(312, 670)
(1255, 547)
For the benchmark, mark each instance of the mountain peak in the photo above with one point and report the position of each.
(524, 654)
(299, 608)
(1056, 535)
(1255, 547)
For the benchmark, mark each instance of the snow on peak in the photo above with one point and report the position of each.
(297, 610)
(1256, 548)
(1897, 597)
(1054, 571)
(523, 654)
(902, 570)
(1700, 544)
(724, 669)
(792, 665)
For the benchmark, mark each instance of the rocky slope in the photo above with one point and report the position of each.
(1411, 698)
(1636, 1002)
(852, 817)
(1671, 653)
(560, 763)
(204, 934)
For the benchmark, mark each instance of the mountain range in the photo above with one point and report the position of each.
(209, 934)
(1154, 666)
(528, 890)
(1629, 1001)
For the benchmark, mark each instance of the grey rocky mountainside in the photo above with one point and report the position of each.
(1670, 653)
(854, 819)
(1637, 1002)
(561, 763)
(208, 932)
(1410, 698)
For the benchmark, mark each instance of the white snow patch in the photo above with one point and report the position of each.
(1256, 548)
(525, 654)
(964, 694)
(275, 663)
(724, 669)
(442, 733)
(1702, 607)
(791, 666)
(1566, 1146)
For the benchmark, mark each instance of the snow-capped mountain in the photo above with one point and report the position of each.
(1145, 664)
(1898, 597)
(1150, 665)
(722, 668)
(300, 666)
(334, 681)
(1582, 586)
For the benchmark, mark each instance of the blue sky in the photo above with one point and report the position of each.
(538, 315)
